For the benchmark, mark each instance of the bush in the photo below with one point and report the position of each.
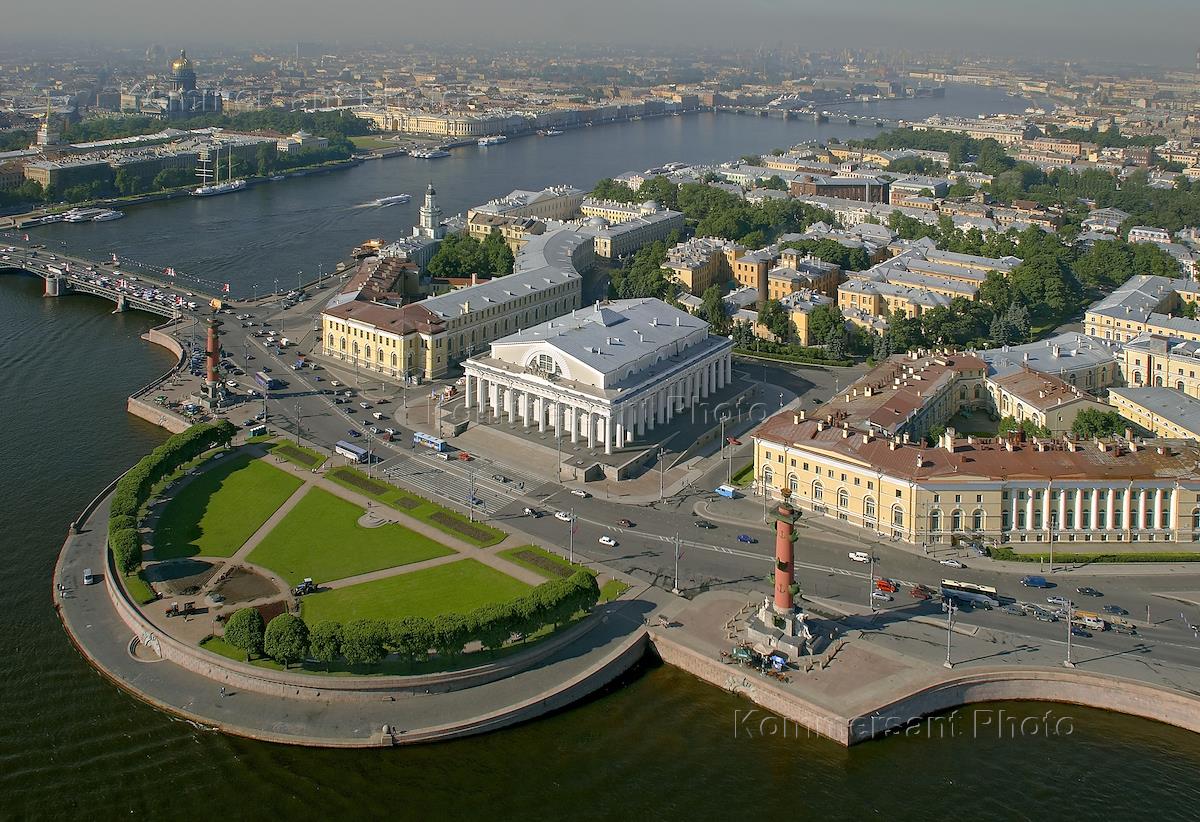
(493, 625)
(450, 633)
(411, 637)
(286, 639)
(126, 545)
(120, 522)
(245, 630)
(1008, 554)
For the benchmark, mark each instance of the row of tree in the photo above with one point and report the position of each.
(460, 255)
(289, 639)
(133, 489)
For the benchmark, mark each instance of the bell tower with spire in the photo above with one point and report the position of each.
(48, 133)
(431, 217)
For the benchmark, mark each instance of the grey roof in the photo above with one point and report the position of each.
(1138, 297)
(1173, 406)
(613, 336)
(1062, 353)
(544, 261)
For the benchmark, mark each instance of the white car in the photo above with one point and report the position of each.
(607, 540)
(231, 383)
(859, 556)
(391, 431)
(882, 596)
(562, 515)
(579, 492)
(334, 383)
(952, 563)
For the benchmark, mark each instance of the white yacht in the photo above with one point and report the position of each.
(395, 199)
(81, 215)
(430, 154)
(493, 140)
(108, 214)
(216, 186)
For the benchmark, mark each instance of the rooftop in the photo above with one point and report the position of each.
(1173, 406)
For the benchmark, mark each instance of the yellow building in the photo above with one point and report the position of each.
(1163, 412)
(862, 458)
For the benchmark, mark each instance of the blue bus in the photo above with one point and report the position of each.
(350, 451)
(266, 381)
(429, 441)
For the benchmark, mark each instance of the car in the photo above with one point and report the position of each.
(364, 405)
(859, 556)
(1012, 609)
(373, 430)
(562, 515)
(881, 596)
(532, 512)
(746, 538)
(624, 523)
(391, 431)
(579, 492)
(703, 523)
(1044, 616)
(1055, 599)
(952, 563)
(475, 501)
(249, 421)
(377, 415)
(1115, 610)
(266, 369)
(1034, 582)
(499, 478)
(231, 383)
(88, 577)
(916, 592)
(1123, 628)
(1076, 630)
(352, 432)
(608, 541)
(1088, 591)
(334, 383)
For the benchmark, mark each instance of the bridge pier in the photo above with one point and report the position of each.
(53, 286)
(121, 305)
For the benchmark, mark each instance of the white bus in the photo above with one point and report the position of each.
(970, 592)
(350, 451)
(428, 441)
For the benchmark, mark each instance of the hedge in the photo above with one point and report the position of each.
(126, 545)
(367, 641)
(1010, 555)
(797, 357)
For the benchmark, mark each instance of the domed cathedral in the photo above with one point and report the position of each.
(183, 74)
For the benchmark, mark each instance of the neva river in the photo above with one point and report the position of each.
(661, 745)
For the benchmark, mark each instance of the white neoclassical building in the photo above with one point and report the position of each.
(604, 374)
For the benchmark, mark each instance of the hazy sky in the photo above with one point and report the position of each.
(1151, 31)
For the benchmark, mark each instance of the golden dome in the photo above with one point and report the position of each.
(181, 63)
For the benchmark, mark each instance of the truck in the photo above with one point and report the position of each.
(727, 491)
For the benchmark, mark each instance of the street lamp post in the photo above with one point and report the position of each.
(1068, 663)
(950, 608)
(675, 590)
(662, 466)
(297, 422)
(298, 275)
(871, 584)
(571, 538)
(470, 494)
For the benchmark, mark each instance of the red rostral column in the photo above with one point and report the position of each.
(785, 568)
(213, 350)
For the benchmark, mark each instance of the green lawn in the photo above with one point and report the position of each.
(369, 143)
(221, 508)
(297, 454)
(321, 538)
(541, 561)
(612, 589)
(456, 587)
(439, 516)
(744, 475)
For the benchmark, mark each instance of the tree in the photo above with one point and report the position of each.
(775, 318)
(712, 309)
(286, 639)
(126, 544)
(411, 637)
(494, 624)
(325, 641)
(459, 256)
(835, 342)
(244, 630)
(171, 178)
(363, 640)
(823, 320)
(264, 161)
(450, 633)
(1092, 422)
(499, 255)
(775, 183)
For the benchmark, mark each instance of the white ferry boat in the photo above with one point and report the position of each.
(430, 154)
(81, 215)
(395, 199)
(108, 214)
(553, 132)
(493, 140)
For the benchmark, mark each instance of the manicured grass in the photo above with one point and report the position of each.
(1003, 553)
(321, 538)
(297, 454)
(444, 519)
(612, 589)
(221, 508)
(541, 561)
(138, 589)
(743, 476)
(370, 143)
(218, 645)
(260, 438)
(458, 587)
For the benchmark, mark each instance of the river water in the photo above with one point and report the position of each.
(659, 745)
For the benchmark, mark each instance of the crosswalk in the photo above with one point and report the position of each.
(434, 478)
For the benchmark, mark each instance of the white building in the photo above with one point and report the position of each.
(606, 374)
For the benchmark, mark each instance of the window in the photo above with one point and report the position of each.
(793, 483)
(1196, 519)
(768, 476)
(331, 340)
(818, 491)
(977, 520)
(897, 515)
(843, 499)
(956, 520)
(935, 522)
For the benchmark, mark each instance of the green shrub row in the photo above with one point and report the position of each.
(800, 355)
(1083, 559)
(368, 641)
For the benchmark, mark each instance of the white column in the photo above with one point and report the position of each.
(587, 415)
(1062, 508)
(1012, 513)
(1078, 508)
(540, 406)
(470, 383)
(1029, 510)
(643, 410)
(481, 394)
(495, 402)
(605, 424)
(1158, 496)
(525, 409)
(1094, 524)
(728, 368)
(704, 373)
(1126, 505)
(1141, 516)
(1108, 509)
(573, 424)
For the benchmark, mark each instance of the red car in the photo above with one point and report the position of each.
(919, 593)
(886, 585)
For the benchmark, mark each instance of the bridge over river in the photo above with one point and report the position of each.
(122, 281)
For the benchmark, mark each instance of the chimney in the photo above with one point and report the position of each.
(920, 460)
(1129, 434)
(1056, 351)
(891, 445)
(866, 438)
(820, 425)
(676, 322)
(474, 278)
(795, 419)
(845, 433)
(1025, 357)
(803, 414)
(1102, 445)
(1133, 446)
(1008, 446)
(1160, 450)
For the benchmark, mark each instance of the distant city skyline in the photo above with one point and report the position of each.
(1167, 32)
